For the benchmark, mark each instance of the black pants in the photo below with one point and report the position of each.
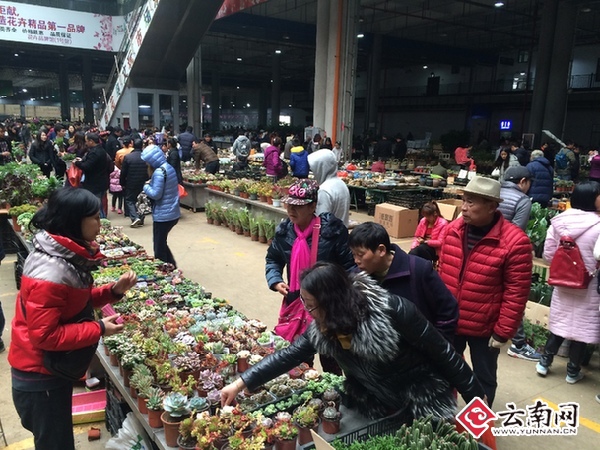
(212, 167)
(576, 354)
(484, 360)
(2, 321)
(47, 414)
(117, 197)
(160, 233)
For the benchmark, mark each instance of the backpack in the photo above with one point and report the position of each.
(567, 268)
(561, 161)
(243, 147)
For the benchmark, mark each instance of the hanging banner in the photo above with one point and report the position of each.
(233, 6)
(32, 24)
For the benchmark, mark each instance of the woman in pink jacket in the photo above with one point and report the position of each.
(574, 313)
(430, 232)
(272, 161)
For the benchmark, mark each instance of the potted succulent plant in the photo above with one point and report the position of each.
(242, 362)
(155, 407)
(176, 408)
(306, 418)
(331, 419)
(185, 440)
(286, 435)
(198, 404)
(140, 375)
(144, 390)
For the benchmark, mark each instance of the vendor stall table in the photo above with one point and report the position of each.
(255, 206)
(196, 197)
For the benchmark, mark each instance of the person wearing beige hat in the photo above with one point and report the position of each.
(486, 263)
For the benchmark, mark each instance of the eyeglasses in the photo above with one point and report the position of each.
(308, 310)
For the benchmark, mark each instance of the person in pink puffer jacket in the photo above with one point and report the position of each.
(116, 190)
(574, 313)
(430, 233)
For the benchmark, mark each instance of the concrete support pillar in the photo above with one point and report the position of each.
(321, 63)
(560, 65)
(372, 105)
(332, 66)
(542, 71)
(216, 101)
(194, 92)
(88, 94)
(63, 85)
(276, 91)
(263, 105)
(347, 85)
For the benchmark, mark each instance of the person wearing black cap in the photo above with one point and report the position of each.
(209, 141)
(516, 208)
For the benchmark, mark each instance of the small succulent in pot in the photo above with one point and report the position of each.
(176, 404)
(306, 416)
(155, 399)
(198, 404)
(331, 395)
(331, 413)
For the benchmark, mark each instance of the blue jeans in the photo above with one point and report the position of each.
(47, 414)
(160, 234)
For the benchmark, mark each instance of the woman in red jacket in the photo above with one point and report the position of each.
(430, 232)
(56, 287)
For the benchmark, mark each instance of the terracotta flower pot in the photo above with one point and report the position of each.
(132, 391)
(184, 446)
(141, 402)
(242, 365)
(288, 444)
(262, 239)
(254, 237)
(171, 427)
(331, 426)
(16, 226)
(210, 221)
(126, 375)
(304, 436)
(114, 361)
(154, 418)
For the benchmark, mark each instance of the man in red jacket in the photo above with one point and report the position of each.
(486, 263)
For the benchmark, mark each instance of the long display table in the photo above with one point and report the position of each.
(196, 198)
(270, 211)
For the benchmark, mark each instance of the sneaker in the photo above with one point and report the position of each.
(575, 379)
(541, 370)
(113, 209)
(136, 223)
(119, 211)
(2, 348)
(598, 398)
(525, 352)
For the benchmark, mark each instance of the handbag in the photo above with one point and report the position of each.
(143, 205)
(293, 317)
(182, 191)
(74, 174)
(496, 172)
(71, 364)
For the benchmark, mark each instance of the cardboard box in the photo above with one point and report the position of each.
(398, 221)
(450, 208)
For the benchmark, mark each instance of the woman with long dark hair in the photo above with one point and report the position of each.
(41, 151)
(78, 146)
(56, 287)
(505, 160)
(393, 358)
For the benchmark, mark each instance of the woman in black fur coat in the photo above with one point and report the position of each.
(394, 360)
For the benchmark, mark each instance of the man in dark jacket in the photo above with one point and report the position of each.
(134, 175)
(383, 149)
(95, 169)
(186, 140)
(405, 275)
(542, 178)
(112, 142)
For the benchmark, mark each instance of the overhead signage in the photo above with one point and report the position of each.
(32, 24)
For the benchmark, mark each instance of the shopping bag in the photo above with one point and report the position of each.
(74, 174)
(182, 191)
(143, 205)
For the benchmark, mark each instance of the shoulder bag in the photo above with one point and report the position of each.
(71, 364)
(293, 317)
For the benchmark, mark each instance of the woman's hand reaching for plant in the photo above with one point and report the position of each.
(229, 392)
(124, 283)
(282, 288)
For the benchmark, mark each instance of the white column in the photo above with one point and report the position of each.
(321, 63)
(194, 92)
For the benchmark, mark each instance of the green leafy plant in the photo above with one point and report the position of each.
(537, 227)
(535, 334)
(155, 399)
(244, 218)
(306, 416)
(16, 211)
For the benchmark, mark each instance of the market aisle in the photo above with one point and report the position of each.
(232, 267)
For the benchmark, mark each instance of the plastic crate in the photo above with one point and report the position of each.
(89, 406)
(381, 427)
(116, 408)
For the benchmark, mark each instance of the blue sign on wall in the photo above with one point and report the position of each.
(505, 124)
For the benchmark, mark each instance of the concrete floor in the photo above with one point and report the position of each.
(232, 267)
